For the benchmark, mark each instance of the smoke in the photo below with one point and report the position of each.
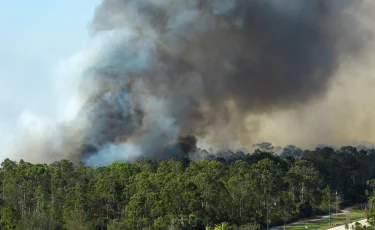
(168, 75)
(210, 64)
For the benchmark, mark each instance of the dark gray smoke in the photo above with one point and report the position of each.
(171, 70)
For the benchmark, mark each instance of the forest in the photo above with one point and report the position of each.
(241, 189)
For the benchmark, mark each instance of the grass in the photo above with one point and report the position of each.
(352, 216)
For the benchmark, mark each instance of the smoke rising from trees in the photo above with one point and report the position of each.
(170, 74)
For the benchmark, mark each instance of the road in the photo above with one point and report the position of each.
(342, 212)
(342, 227)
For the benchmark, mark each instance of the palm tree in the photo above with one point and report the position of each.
(223, 226)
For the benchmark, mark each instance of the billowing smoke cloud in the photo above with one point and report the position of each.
(173, 73)
(206, 63)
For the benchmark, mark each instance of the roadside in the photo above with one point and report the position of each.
(348, 215)
(342, 227)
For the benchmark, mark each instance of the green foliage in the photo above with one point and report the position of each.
(239, 193)
(359, 226)
(223, 226)
(34, 221)
(371, 212)
(77, 220)
(9, 217)
(115, 225)
(249, 227)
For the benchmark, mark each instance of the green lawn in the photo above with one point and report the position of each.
(335, 221)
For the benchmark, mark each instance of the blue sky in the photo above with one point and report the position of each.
(35, 36)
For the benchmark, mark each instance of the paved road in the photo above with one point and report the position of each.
(342, 227)
(343, 212)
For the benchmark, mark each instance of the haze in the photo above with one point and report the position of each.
(37, 38)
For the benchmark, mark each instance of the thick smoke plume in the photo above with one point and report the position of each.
(184, 67)
(172, 73)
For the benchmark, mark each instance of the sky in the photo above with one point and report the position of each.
(36, 38)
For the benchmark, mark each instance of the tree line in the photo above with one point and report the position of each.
(243, 190)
